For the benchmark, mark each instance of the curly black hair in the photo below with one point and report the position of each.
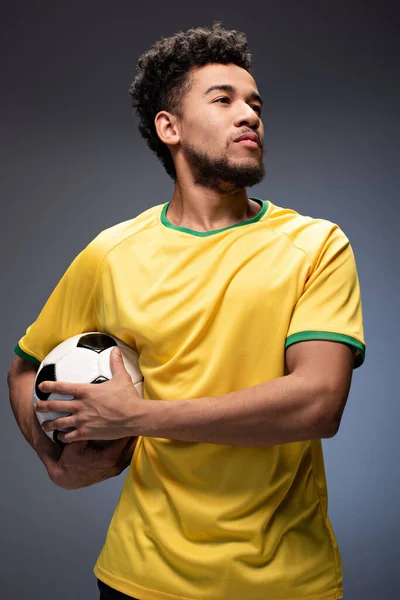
(162, 75)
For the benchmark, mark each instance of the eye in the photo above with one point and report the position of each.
(255, 107)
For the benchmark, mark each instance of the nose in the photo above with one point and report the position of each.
(246, 115)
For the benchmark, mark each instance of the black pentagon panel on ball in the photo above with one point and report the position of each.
(100, 379)
(96, 341)
(47, 373)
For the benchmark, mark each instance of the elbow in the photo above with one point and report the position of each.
(333, 401)
(330, 432)
(326, 428)
(330, 408)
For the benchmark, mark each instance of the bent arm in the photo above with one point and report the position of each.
(76, 466)
(21, 378)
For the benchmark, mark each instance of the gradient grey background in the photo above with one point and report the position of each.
(73, 163)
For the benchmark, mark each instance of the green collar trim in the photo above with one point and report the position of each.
(164, 220)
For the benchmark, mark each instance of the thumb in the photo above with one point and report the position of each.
(116, 361)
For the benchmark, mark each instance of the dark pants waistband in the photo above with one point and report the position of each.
(108, 593)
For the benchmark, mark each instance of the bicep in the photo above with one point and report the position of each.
(328, 367)
(20, 365)
(320, 359)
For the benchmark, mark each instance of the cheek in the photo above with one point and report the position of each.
(214, 135)
(205, 132)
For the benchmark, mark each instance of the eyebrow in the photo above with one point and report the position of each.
(226, 87)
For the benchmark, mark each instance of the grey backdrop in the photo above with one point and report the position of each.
(73, 163)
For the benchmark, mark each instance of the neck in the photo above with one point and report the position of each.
(204, 209)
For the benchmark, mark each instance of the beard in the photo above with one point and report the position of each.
(219, 174)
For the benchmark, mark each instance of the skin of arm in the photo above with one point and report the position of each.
(77, 465)
(306, 403)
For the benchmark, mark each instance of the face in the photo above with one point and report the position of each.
(222, 105)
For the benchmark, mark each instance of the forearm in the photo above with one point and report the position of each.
(20, 383)
(282, 410)
(78, 465)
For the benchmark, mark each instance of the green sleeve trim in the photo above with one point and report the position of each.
(303, 336)
(26, 356)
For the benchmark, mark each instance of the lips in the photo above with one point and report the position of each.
(249, 144)
(253, 137)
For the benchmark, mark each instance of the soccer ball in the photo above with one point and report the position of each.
(83, 358)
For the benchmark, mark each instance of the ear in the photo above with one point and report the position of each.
(167, 128)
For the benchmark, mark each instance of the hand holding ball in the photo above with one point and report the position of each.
(84, 358)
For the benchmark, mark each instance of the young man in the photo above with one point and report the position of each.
(248, 320)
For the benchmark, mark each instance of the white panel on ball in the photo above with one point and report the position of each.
(80, 366)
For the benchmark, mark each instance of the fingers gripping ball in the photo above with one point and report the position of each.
(83, 358)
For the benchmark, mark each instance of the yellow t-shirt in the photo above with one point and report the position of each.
(211, 313)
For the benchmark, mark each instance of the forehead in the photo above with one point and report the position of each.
(217, 74)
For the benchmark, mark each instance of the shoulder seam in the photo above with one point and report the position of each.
(96, 281)
(333, 226)
(290, 241)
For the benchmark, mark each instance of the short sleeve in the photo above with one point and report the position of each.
(330, 307)
(69, 310)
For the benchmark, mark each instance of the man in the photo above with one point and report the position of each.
(248, 321)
